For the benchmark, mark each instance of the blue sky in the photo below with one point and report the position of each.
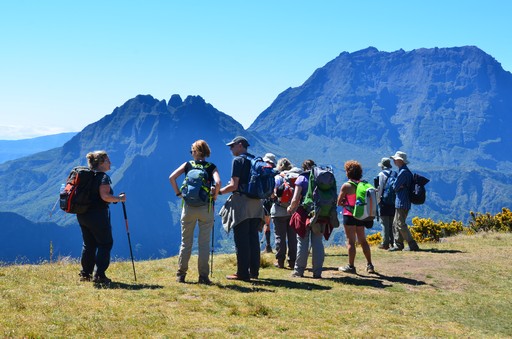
(66, 64)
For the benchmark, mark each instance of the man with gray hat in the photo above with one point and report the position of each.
(247, 213)
(402, 204)
(384, 184)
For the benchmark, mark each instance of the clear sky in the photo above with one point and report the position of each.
(65, 64)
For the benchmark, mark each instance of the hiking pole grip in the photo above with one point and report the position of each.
(129, 241)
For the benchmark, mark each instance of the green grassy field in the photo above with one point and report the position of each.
(459, 287)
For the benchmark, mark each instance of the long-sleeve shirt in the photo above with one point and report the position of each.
(402, 187)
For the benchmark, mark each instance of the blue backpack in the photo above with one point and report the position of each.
(388, 193)
(261, 179)
(195, 189)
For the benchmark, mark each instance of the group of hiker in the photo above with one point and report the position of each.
(300, 202)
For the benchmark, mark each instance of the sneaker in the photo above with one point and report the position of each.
(370, 269)
(348, 269)
(101, 279)
(395, 249)
(180, 278)
(383, 247)
(296, 274)
(236, 277)
(85, 276)
(412, 249)
(204, 280)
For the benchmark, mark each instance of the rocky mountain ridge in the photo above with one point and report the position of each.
(449, 109)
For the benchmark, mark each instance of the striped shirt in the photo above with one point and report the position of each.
(402, 184)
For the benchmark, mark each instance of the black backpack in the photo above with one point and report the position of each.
(417, 193)
(76, 196)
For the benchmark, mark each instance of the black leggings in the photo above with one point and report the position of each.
(97, 241)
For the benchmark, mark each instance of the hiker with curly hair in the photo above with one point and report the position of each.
(354, 228)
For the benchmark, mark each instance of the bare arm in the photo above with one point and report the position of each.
(297, 194)
(344, 190)
(107, 197)
(174, 175)
(216, 178)
(232, 186)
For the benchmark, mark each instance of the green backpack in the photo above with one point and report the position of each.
(366, 201)
(320, 198)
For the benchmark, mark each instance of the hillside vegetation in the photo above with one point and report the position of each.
(459, 287)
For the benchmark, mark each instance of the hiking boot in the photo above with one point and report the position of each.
(413, 246)
(180, 278)
(395, 248)
(204, 280)
(348, 269)
(101, 279)
(383, 247)
(278, 264)
(236, 277)
(370, 269)
(85, 276)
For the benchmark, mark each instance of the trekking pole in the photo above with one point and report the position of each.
(213, 232)
(211, 261)
(129, 241)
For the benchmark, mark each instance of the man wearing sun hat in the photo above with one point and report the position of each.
(402, 204)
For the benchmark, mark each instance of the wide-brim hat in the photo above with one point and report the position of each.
(385, 162)
(400, 156)
(269, 157)
(238, 139)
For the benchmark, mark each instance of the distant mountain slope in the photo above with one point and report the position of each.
(449, 109)
(29, 242)
(14, 149)
(146, 140)
(443, 106)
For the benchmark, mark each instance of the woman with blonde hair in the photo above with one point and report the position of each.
(191, 213)
(95, 222)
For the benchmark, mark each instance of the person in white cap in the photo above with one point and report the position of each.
(270, 159)
(402, 204)
(386, 205)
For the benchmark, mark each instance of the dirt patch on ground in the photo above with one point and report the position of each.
(435, 266)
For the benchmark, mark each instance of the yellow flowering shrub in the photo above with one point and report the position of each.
(374, 239)
(501, 222)
(424, 230)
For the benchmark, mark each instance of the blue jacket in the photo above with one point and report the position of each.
(402, 187)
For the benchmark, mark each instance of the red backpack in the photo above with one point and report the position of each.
(285, 191)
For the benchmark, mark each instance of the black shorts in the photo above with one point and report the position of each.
(349, 220)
